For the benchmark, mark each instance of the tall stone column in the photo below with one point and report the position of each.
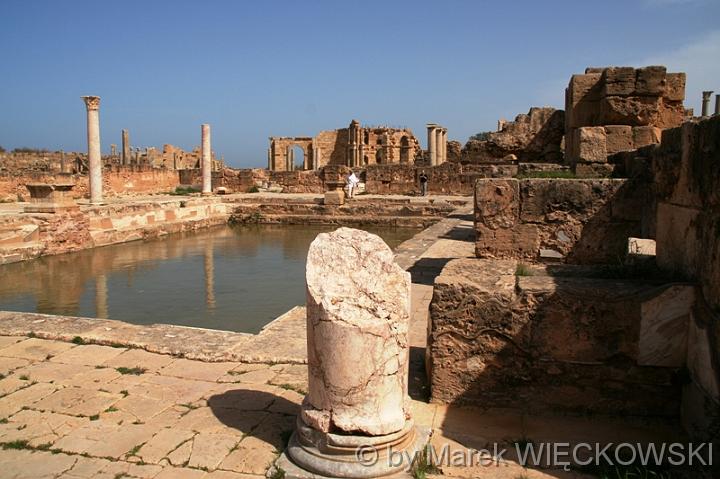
(317, 156)
(125, 160)
(431, 143)
(706, 102)
(358, 351)
(444, 145)
(438, 146)
(63, 165)
(206, 161)
(717, 104)
(269, 158)
(92, 105)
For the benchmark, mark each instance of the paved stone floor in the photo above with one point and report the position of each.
(75, 410)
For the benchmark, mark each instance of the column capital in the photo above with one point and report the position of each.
(91, 102)
(431, 125)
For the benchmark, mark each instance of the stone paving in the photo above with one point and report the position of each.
(134, 407)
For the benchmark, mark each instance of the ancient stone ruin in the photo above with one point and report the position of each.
(358, 313)
(354, 146)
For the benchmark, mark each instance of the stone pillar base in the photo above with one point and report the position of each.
(335, 197)
(312, 454)
(207, 193)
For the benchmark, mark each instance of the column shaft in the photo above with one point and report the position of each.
(125, 148)
(206, 162)
(431, 144)
(92, 104)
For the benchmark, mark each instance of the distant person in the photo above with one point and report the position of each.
(423, 183)
(352, 182)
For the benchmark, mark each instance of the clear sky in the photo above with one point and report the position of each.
(254, 69)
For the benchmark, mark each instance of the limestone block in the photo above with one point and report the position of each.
(594, 170)
(700, 359)
(581, 102)
(497, 202)
(645, 135)
(633, 110)
(358, 311)
(664, 327)
(591, 144)
(678, 244)
(334, 197)
(618, 81)
(651, 81)
(675, 87)
(641, 247)
(618, 138)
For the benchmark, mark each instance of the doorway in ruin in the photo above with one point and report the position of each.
(379, 157)
(404, 150)
(298, 158)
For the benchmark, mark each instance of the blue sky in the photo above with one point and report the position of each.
(258, 69)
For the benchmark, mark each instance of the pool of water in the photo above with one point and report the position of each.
(233, 278)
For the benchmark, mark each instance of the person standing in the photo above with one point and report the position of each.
(423, 183)
(352, 182)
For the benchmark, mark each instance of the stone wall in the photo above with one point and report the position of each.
(27, 236)
(686, 184)
(532, 137)
(116, 181)
(560, 343)
(447, 179)
(615, 109)
(574, 221)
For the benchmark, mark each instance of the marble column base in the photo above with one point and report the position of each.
(312, 454)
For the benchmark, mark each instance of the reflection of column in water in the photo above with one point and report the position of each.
(101, 294)
(209, 275)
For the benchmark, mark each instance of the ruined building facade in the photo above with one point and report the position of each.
(353, 146)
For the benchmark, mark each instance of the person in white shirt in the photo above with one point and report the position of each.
(352, 182)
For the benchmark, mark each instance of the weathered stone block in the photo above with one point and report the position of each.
(651, 81)
(664, 327)
(675, 87)
(645, 135)
(334, 197)
(519, 241)
(541, 342)
(618, 138)
(497, 202)
(618, 81)
(591, 144)
(581, 100)
(634, 110)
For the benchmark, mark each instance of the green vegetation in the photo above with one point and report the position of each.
(124, 392)
(253, 189)
(278, 473)
(95, 417)
(422, 466)
(78, 340)
(19, 444)
(25, 149)
(523, 270)
(183, 190)
(482, 136)
(561, 174)
(137, 371)
(291, 387)
(111, 409)
(24, 377)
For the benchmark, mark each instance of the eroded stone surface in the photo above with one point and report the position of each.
(358, 310)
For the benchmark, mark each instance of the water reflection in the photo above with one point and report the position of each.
(250, 275)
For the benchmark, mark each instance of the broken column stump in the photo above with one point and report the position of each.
(358, 314)
(50, 197)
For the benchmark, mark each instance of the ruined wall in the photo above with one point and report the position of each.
(532, 137)
(446, 179)
(615, 109)
(686, 175)
(575, 221)
(116, 181)
(561, 343)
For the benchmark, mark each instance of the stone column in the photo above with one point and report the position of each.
(717, 104)
(317, 155)
(206, 159)
(444, 145)
(269, 158)
(125, 148)
(63, 165)
(92, 104)
(438, 146)
(358, 350)
(431, 143)
(706, 102)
